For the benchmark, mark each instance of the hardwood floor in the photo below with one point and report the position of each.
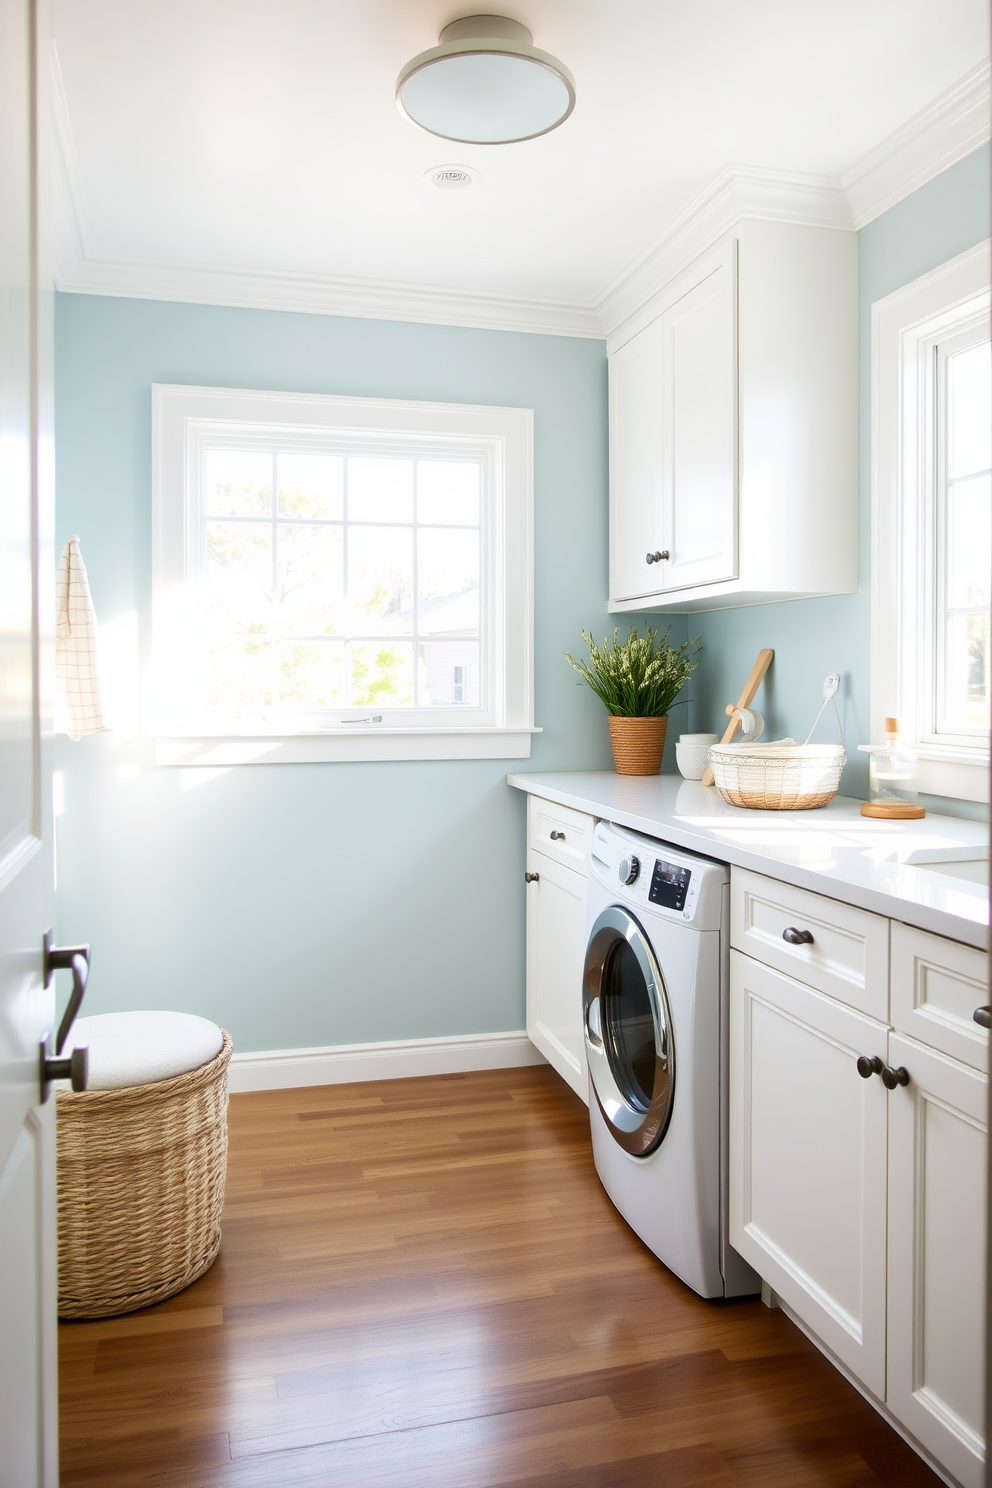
(422, 1283)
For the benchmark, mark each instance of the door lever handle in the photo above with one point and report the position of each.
(76, 1068)
(66, 958)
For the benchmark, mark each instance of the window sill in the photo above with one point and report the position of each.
(943, 774)
(347, 746)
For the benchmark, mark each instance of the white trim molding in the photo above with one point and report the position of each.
(947, 129)
(734, 192)
(905, 327)
(394, 1059)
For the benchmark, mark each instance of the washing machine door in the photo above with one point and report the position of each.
(628, 1030)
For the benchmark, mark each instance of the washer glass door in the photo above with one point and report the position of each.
(628, 1030)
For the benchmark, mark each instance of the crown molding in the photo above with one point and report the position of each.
(950, 127)
(734, 192)
(367, 299)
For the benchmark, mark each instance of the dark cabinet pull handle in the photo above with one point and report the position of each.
(557, 836)
(983, 1017)
(657, 557)
(870, 1064)
(797, 937)
(76, 1068)
(532, 878)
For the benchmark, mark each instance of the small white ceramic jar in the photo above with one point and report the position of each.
(692, 754)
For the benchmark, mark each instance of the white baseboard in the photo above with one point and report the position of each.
(399, 1059)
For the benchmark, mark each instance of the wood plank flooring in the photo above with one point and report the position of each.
(422, 1283)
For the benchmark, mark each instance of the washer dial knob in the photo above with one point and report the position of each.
(629, 869)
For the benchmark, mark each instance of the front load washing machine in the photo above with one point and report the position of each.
(655, 998)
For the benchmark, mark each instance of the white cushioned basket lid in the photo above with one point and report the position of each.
(138, 1048)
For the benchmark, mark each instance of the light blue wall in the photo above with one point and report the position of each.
(815, 636)
(314, 904)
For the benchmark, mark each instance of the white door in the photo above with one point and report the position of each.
(637, 520)
(808, 1158)
(28, 1441)
(937, 1147)
(673, 439)
(556, 943)
(699, 428)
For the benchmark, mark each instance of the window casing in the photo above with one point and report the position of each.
(931, 535)
(339, 578)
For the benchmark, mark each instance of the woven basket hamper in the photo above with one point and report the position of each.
(140, 1189)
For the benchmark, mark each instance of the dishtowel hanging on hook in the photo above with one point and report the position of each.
(78, 702)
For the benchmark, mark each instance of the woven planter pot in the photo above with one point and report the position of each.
(638, 744)
(140, 1189)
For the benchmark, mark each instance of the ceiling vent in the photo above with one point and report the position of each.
(450, 177)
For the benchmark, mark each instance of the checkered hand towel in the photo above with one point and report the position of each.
(78, 708)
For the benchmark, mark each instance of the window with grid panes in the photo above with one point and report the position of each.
(340, 578)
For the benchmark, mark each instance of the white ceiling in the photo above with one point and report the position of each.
(261, 137)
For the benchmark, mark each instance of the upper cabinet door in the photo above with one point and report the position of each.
(673, 439)
(637, 518)
(699, 429)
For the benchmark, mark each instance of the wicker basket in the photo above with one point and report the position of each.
(140, 1189)
(638, 744)
(778, 777)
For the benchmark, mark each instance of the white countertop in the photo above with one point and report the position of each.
(833, 850)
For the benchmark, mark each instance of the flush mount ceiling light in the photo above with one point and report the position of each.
(486, 84)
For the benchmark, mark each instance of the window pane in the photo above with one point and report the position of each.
(312, 675)
(969, 410)
(448, 491)
(380, 490)
(239, 577)
(381, 674)
(380, 580)
(449, 674)
(237, 483)
(966, 674)
(969, 542)
(448, 580)
(242, 675)
(311, 486)
(310, 580)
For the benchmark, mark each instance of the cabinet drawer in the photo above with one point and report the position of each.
(936, 986)
(559, 833)
(847, 955)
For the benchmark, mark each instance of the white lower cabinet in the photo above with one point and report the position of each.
(862, 1200)
(807, 1158)
(556, 939)
(936, 1270)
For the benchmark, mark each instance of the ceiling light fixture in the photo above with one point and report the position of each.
(485, 83)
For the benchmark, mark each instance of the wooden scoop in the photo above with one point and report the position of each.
(745, 700)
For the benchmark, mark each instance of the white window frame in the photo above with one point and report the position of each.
(907, 326)
(183, 418)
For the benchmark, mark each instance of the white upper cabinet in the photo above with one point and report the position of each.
(733, 426)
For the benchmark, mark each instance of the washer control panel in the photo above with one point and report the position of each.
(641, 870)
(670, 884)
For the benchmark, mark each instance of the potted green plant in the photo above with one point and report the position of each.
(637, 680)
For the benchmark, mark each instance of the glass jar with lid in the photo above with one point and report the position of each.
(892, 779)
